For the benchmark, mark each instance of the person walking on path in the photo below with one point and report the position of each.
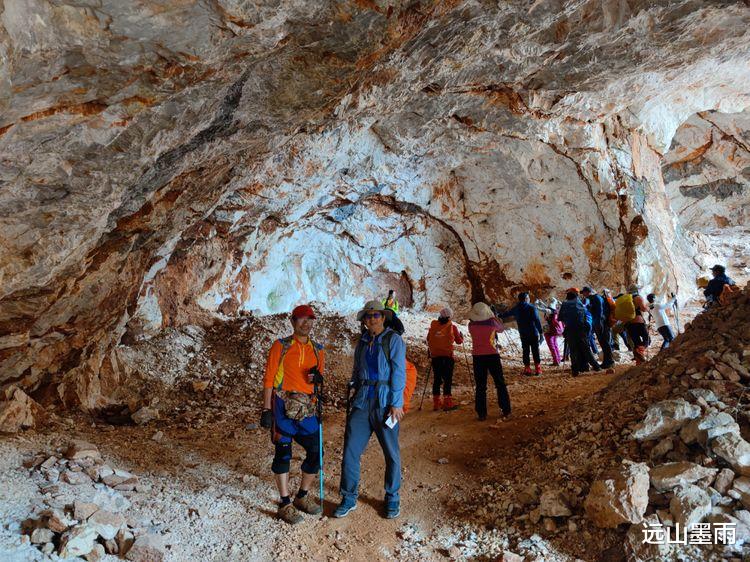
(573, 316)
(551, 334)
(530, 330)
(378, 379)
(441, 336)
(637, 328)
(295, 365)
(484, 327)
(661, 320)
(598, 308)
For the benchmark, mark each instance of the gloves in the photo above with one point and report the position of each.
(266, 419)
(315, 376)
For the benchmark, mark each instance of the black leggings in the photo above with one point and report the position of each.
(530, 344)
(484, 364)
(442, 369)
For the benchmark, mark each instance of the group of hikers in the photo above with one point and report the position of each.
(382, 379)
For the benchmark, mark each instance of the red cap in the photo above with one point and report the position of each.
(573, 290)
(303, 311)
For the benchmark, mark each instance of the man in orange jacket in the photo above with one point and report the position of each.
(295, 365)
(440, 339)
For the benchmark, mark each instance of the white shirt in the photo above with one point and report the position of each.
(658, 311)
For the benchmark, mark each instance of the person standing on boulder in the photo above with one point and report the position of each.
(378, 379)
(484, 327)
(293, 370)
(530, 330)
(600, 325)
(661, 320)
(440, 339)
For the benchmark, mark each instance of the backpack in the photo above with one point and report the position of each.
(411, 371)
(441, 338)
(609, 306)
(726, 292)
(624, 308)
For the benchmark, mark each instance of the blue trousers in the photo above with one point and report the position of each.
(362, 423)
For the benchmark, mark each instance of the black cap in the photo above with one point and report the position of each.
(586, 290)
(719, 268)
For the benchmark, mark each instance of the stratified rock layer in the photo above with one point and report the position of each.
(163, 163)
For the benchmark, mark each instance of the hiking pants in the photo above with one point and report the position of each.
(442, 369)
(592, 342)
(484, 364)
(581, 357)
(305, 432)
(360, 425)
(553, 347)
(530, 345)
(638, 333)
(666, 333)
(604, 335)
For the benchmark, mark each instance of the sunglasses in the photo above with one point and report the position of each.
(373, 315)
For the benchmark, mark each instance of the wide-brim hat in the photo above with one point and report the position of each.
(374, 306)
(481, 311)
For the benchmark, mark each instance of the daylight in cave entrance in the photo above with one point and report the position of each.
(176, 178)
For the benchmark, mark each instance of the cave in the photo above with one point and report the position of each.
(177, 177)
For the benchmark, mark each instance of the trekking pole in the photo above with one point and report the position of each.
(426, 382)
(318, 390)
(466, 358)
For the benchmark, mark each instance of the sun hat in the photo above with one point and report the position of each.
(481, 311)
(374, 306)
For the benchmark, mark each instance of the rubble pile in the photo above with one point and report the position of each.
(664, 446)
(96, 524)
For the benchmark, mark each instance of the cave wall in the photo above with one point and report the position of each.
(163, 162)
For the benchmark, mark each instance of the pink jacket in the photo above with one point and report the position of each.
(483, 336)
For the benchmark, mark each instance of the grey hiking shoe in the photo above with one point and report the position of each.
(289, 514)
(307, 505)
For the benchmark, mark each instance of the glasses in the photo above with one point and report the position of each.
(373, 315)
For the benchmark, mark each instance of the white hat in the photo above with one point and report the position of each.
(446, 312)
(481, 311)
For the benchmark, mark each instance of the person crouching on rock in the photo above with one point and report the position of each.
(293, 371)
(378, 380)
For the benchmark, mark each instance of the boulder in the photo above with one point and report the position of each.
(106, 523)
(145, 415)
(741, 529)
(120, 479)
(40, 535)
(96, 554)
(702, 430)
(620, 497)
(734, 450)
(554, 504)
(671, 475)
(79, 541)
(740, 490)
(78, 449)
(18, 411)
(147, 548)
(56, 520)
(689, 505)
(724, 480)
(664, 418)
(83, 510)
(75, 478)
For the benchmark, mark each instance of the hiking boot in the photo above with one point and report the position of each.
(506, 417)
(392, 510)
(344, 508)
(537, 369)
(307, 505)
(436, 405)
(289, 514)
(608, 365)
(527, 371)
(449, 405)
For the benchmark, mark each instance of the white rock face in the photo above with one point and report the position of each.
(158, 167)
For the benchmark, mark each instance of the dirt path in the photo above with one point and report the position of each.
(472, 449)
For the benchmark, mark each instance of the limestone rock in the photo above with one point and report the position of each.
(702, 430)
(735, 450)
(619, 497)
(741, 529)
(96, 554)
(106, 523)
(724, 480)
(79, 541)
(83, 510)
(554, 504)
(740, 490)
(689, 506)
(121, 480)
(41, 535)
(145, 415)
(57, 520)
(671, 475)
(664, 418)
(640, 551)
(18, 411)
(83, 450)
(147, 548)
